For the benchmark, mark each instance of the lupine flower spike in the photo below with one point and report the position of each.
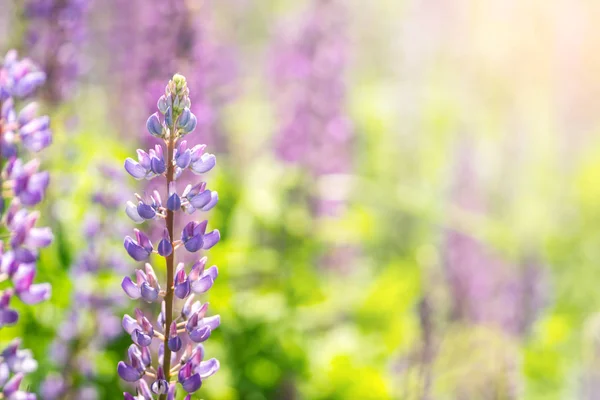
(180, 330)
(23, 185)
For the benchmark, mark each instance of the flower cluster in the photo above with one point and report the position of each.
(308, 75)
(180, 349)
(91, 322)
(56, 31)
(23, 185)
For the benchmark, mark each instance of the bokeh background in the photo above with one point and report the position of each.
(409, 190)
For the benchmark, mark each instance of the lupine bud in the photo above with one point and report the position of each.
(131, 211)
(162, 104)
(174, 202)
(175, 341)
(164, 247)
(184, 118)
(154, 126)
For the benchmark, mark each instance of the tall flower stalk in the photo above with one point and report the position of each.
(180, 352)
(23, 185)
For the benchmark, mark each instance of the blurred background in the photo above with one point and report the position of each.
(409, 191)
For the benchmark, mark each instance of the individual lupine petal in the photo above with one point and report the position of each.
(135, 169)
(25, 256)
(186, 310)
(198, 269)
(144, 390)
(39, 237)
(130, 324)
(206, 280)
(12, 386)
(8, 317)
(208, 368)
(148, 293)
(28, 113)
(131, 211)
(201, 334)
(129, 373)
(196, 152)
(199, 328)
(144, 159)
(192, 237)
(37, 141)
(128, 396)
(182, 283)
(156, 200)
(142, 332)
(143, 240)
(149, 284)
(206, 162)
(29, 83)
(184, 118)
(191, 125)
(211, 239)
(191, 191)
(212, 322)
(130, 288)
(37, 124)
(36, 293)
(189, 380)
(7, 112)
(214, 199)
(201, 199)
(175, 343)
(172, 391)
(183, 155)
(183, 159)
(141, 338)
(162, 104)
(146, 211)
(146, 356)
(160, 385)
(157, 165)
(151, 276)
(154, 126)
(134, 250)
(197, 355)
(169, 116)
(165, 248)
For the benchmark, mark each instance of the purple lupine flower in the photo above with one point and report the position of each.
(23, 185)
(485, 288)
(56, 31)
(90, 322)
(176, 362)
(307, 68)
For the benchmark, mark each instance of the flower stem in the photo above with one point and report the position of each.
(170, 269)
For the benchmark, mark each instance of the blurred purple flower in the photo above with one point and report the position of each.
(56, 33)
(307, 70)
(23, 185)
